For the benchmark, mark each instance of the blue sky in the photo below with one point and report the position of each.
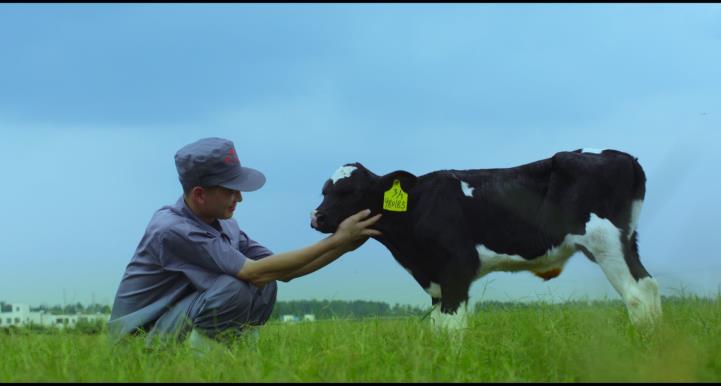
(96, 99)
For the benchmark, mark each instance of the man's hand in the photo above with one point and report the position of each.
(354, 231)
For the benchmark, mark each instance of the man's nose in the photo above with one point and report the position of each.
(240, 196)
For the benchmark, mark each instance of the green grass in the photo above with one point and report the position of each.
(546, 342)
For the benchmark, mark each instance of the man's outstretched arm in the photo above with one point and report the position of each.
(322, 261)
(282, 265)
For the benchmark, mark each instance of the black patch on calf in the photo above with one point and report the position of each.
(630, 254)
(586, 252)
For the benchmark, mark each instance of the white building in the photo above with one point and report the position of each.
(289, 318)
(20, 315)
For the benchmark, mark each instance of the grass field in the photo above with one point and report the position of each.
(545, 342)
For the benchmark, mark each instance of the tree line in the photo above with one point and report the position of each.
(68, 309)
(322, 309)
(348, 309)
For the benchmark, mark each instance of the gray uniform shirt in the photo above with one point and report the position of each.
(178, 255)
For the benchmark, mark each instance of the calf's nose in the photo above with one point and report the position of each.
(313, 220)
(316, 219)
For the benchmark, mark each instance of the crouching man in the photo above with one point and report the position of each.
(196, 270)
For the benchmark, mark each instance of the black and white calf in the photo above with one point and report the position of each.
(455, 226)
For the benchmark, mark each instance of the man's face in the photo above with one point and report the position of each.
(219, 202)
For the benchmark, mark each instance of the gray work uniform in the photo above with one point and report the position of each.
(182, 276)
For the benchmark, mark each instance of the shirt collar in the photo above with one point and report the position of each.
(183, 208)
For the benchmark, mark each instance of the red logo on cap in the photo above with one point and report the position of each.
(231, 158)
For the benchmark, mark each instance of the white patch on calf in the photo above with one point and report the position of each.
(644, 302)
(342, 172)
(434, 290)
(450, 322)
(603, 240)
(635, 213)
(467, 189)
(554, 258)
(591, 150)
(642, 298)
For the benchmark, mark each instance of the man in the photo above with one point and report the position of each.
(195, 270)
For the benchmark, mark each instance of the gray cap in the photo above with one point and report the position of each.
(213, 162)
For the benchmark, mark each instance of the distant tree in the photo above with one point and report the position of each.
(55, 310)
(93, 327)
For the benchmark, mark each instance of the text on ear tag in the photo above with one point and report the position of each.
(395, 199)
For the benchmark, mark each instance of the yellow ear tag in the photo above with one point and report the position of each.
(395, 199)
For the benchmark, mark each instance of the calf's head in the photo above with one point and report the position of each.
(351, 189)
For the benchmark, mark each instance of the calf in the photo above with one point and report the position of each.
(449, 228)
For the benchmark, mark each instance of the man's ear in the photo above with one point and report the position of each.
(197, 194)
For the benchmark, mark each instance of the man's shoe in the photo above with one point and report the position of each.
(201, 344)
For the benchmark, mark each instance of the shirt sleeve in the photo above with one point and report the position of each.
(183, 248)
(253, 249)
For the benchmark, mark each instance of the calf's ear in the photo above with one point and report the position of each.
(407, 180)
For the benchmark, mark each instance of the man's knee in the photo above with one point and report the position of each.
(270, 290)
(228, 291)
(228, 304)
